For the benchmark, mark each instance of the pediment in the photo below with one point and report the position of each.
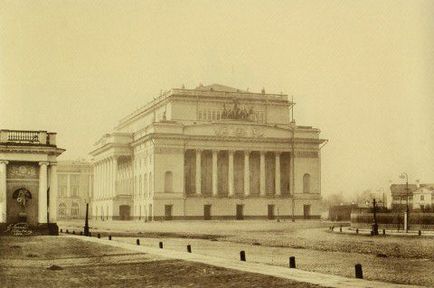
(240, 129)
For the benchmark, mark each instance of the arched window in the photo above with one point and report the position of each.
(168, 179)
(62, 210)
(75, 210)
(306, 183)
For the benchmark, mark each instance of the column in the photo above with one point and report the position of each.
(214, 173)
(231, 173)
(109, 177)
(262, 173)
(53, 193)
(68, 185)
(104, 179)
(114, 174)
(277, 178)
(42, 196)
(198, 172)
(3, 191)
(246, 173)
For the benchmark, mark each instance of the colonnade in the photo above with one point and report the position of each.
(105, 175)
(234, 175)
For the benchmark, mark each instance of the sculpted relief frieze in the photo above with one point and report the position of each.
(21, 171)
(237, 131)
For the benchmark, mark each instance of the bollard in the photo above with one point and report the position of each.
(161, 245)
(242, 255)
(61, 230)
(359, 272)
(292, 262)
(99, 235)
(189, 248)
(73, 232)
(138, 242)
(384, 231)
(81, 233)
(90, 234)
(333, 228)
(420, 233)
(67, 232)
(357, 230)
(340, 228)
(110, 237)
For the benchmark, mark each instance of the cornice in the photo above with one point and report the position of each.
(50, 150)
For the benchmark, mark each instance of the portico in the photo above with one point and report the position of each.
(236, 173)
(28, 180)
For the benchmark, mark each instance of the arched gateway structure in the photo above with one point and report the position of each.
(212, 152)
(28, 180)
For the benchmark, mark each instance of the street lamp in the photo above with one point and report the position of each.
(405, 176)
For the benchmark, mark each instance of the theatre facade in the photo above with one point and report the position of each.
(213, 152)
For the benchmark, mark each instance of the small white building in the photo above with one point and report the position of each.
(423, 197)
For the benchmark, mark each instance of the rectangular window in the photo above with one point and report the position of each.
(62, 185)
(168, 212)
(422, 198)
(270, 212)
(75, 185)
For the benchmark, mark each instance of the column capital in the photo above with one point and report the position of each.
(199, 150)
(44, 163)
(262, 152)
(6, 162)
(247, 152)
(53, 164)
(277, 153)
(231, 151)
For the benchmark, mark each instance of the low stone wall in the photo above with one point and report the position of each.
(418, 221)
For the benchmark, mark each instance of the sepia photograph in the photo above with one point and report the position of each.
(205, 143)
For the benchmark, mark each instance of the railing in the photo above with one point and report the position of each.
(23, 136)
(29, 137)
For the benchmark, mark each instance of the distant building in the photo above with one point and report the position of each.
(423, 197)
(74, 188)
(400, 194)
(28, 181)
(341, 212)
(213, 152)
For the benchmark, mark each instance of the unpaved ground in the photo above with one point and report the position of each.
(408, 260)
(24, 262)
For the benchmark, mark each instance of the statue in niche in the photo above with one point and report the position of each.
(22, 195)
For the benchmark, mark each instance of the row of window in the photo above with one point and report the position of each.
(74, 211)
(213, 115)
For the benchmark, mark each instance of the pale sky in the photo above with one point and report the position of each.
(361, 71)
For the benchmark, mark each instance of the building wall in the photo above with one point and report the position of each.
(75, 189)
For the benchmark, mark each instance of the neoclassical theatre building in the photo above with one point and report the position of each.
(213, 152)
